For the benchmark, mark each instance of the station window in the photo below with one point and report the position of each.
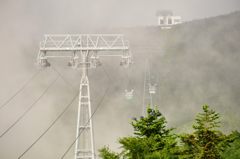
(161, 21)
(170, 21)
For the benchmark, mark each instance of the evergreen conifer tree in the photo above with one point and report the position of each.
(151, 136)
(206, 140)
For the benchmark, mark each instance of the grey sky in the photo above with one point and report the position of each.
(100, 13)
(23, 22)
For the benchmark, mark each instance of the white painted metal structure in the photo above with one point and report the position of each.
(149, 89)
(166, 22)
(166, 19)
(84, 52)
(152, 88)
(129, 94)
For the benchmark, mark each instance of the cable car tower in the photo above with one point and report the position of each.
(129, 91)
(84, 52)
(149, 89)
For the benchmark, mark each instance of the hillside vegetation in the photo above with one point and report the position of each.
(152, 139)
(193, 63)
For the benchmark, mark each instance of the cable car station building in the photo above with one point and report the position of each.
(166, 19)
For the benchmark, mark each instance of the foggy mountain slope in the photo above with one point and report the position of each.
(196, 63)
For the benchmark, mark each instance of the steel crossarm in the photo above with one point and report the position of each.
(78, 42)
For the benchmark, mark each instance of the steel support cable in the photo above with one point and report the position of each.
(129, 83)
(63, 78)
(58, 117)
(21, 89)
(50, 126)
(29, 108)
(99, 104)
(94, 112)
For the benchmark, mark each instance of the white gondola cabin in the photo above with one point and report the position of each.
(152, 88)
(129, 94)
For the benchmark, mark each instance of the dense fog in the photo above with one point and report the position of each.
(194, 63)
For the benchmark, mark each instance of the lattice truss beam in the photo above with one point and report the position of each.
(84, 42)
(71, 46)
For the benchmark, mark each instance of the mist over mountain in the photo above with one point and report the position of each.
(193, 63)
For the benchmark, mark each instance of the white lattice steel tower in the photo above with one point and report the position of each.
(149, 89)
(84, 52)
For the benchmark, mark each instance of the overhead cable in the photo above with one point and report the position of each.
(20, 90)
(99, 104)
(29, 108)
(49, 127)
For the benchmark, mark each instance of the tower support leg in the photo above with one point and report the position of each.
(84, 148)
(147, 97)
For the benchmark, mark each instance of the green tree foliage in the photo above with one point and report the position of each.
(153, 140)
(151, 125)
(134, 147)
(151, 135)
(233, 151)
(106, 153)
(206, 142)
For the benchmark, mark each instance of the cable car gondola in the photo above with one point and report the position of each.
(129, 94)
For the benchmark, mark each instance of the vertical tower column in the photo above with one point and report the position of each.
(84, 148)
(147, 97)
